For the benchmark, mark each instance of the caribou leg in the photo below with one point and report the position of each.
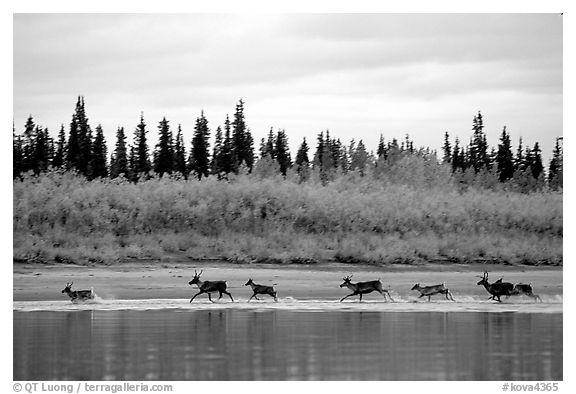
(386, 292)
(229, 295)
(348, 296)
(195, 295)
(253, 296)
(536, 297)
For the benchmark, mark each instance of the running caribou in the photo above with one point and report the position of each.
(500, 288)
(78, 295)
(361, 288)
(261, 289)
(526, 289)
(432, 290)
(209, 287)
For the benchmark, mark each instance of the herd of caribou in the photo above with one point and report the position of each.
(496, 289)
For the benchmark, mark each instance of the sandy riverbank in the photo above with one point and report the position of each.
(38, 282)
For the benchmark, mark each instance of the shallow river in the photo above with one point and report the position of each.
(173, 340)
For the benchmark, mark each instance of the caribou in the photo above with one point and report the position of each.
(78, 295)
(525, 289)
(432, 290)
(500, 288)
(361, 288)
(261, 289)
(209, 287)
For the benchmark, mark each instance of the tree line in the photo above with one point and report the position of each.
(233, 152)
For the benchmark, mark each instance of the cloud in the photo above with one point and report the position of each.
(357, 73)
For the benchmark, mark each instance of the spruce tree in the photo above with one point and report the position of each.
(216, 165)
(536, 166)
(84, 157)
(139, 152)
(164, 153)
(335, 154)
(447, 149)
(282, 152)
(394, 152)
(262, 147)
(352, 149)
(41, 156)
(456, 162)
(73, 145)
(505, 158)
(227, 147)
(328, 162)
(238, 128)
(344, 163)
(359, 160)
(492, 158)
(132, 164)
(381, 151)
(267, 146)
(180, 154)
(17, 154)
(520, 159)
(60, 152)
(199, 161)
(242, 149)
(528, 162)
(478, 148)
(99, 164)
(408, 144)
(28, 145)
(79, 148)
(339, 155)
(119, 161)
(318, 155)
(555, 169)
(302, 160)
(249, 150)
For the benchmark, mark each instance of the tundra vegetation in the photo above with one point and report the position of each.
(401, 204)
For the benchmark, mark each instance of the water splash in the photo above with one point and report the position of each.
(550, 304)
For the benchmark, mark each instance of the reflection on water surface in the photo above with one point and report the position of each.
(233, 344)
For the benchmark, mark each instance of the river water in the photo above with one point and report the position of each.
(289, 340)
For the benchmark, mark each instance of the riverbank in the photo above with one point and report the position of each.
(142, 280)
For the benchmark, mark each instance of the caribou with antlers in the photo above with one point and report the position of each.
(361, 288)
(78, 295)
(432, 290)
(209, 287)
(500, 288)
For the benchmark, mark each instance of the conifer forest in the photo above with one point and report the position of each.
(221, 195)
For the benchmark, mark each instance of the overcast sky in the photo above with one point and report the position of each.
(358, 75)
